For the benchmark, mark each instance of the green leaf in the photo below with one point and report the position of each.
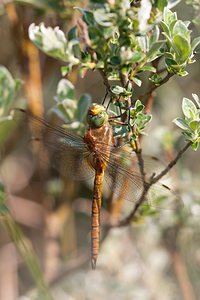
(154, 48)
(194, 125)
(171, 26)
(169, 55)
(169, 16)
(65, 90)
(195, 43)
(143, 42)
(141, 116)
(114, 76)
(115, 60)
(136, 57)
(147, 68)
(197, 51)
(88, 16)
(165, 27)
(83, 106)
(137, 80)
(182, 124)
(139, 108)
(195, 146)
(53, 42)
(120, 131)
(68, 108)
(180, 29)
(188, 107)
(156, 79)
(182, 47)
(154, 36)
(160, 4)
(72, 33)
(104, 18)
(196, 98)
(182, 73)
(117, 89)
(148, 119)
(138, 103)
(8, 88)
(66, 69)
(129, 87)
(47, 39)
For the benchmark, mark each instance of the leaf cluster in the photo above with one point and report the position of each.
(8, 88)
(191, 123)
(138, 120)
(70, 109)
(120, 39)
(179, 46)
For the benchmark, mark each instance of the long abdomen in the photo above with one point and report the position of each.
(96, 209)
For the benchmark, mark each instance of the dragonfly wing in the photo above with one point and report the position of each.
(162, 197)
(66, 151)
(124, 181)
(124, 177)
(68, 159)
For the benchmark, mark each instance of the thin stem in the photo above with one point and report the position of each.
(168, 76)
(128, 219)
(171, 164)
(106, 82)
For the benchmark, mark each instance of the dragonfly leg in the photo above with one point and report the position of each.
(105, 97)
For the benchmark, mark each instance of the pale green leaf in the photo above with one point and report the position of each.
(154, 36)
(8, 88)
(165, 27)
(137, 80)
(194, 125)
(117, 89)
(195, 146)
(154, 48)
(83, 105)
(65, 90)
(188, 107)
(182, 124)
(195, 43)
(169, 16)
(196, 98)
(182, 47)
(180, 29)
(147, 68)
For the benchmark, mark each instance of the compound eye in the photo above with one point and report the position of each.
(89, 119)
(100, 119)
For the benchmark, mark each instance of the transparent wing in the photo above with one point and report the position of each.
(65, 149)
(126, 180)
(162, 197)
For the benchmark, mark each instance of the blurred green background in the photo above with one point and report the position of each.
(158, 258)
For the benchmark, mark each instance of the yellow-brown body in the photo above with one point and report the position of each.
(98, 141)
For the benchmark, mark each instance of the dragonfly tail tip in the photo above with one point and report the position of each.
(93, 263)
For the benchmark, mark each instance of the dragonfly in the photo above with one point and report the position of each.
(94, 154)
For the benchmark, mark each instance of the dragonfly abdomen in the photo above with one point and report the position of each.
(95, 226)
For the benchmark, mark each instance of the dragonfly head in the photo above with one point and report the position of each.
(97, 115)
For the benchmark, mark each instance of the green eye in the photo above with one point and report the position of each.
(89, 119)
(98, 120)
